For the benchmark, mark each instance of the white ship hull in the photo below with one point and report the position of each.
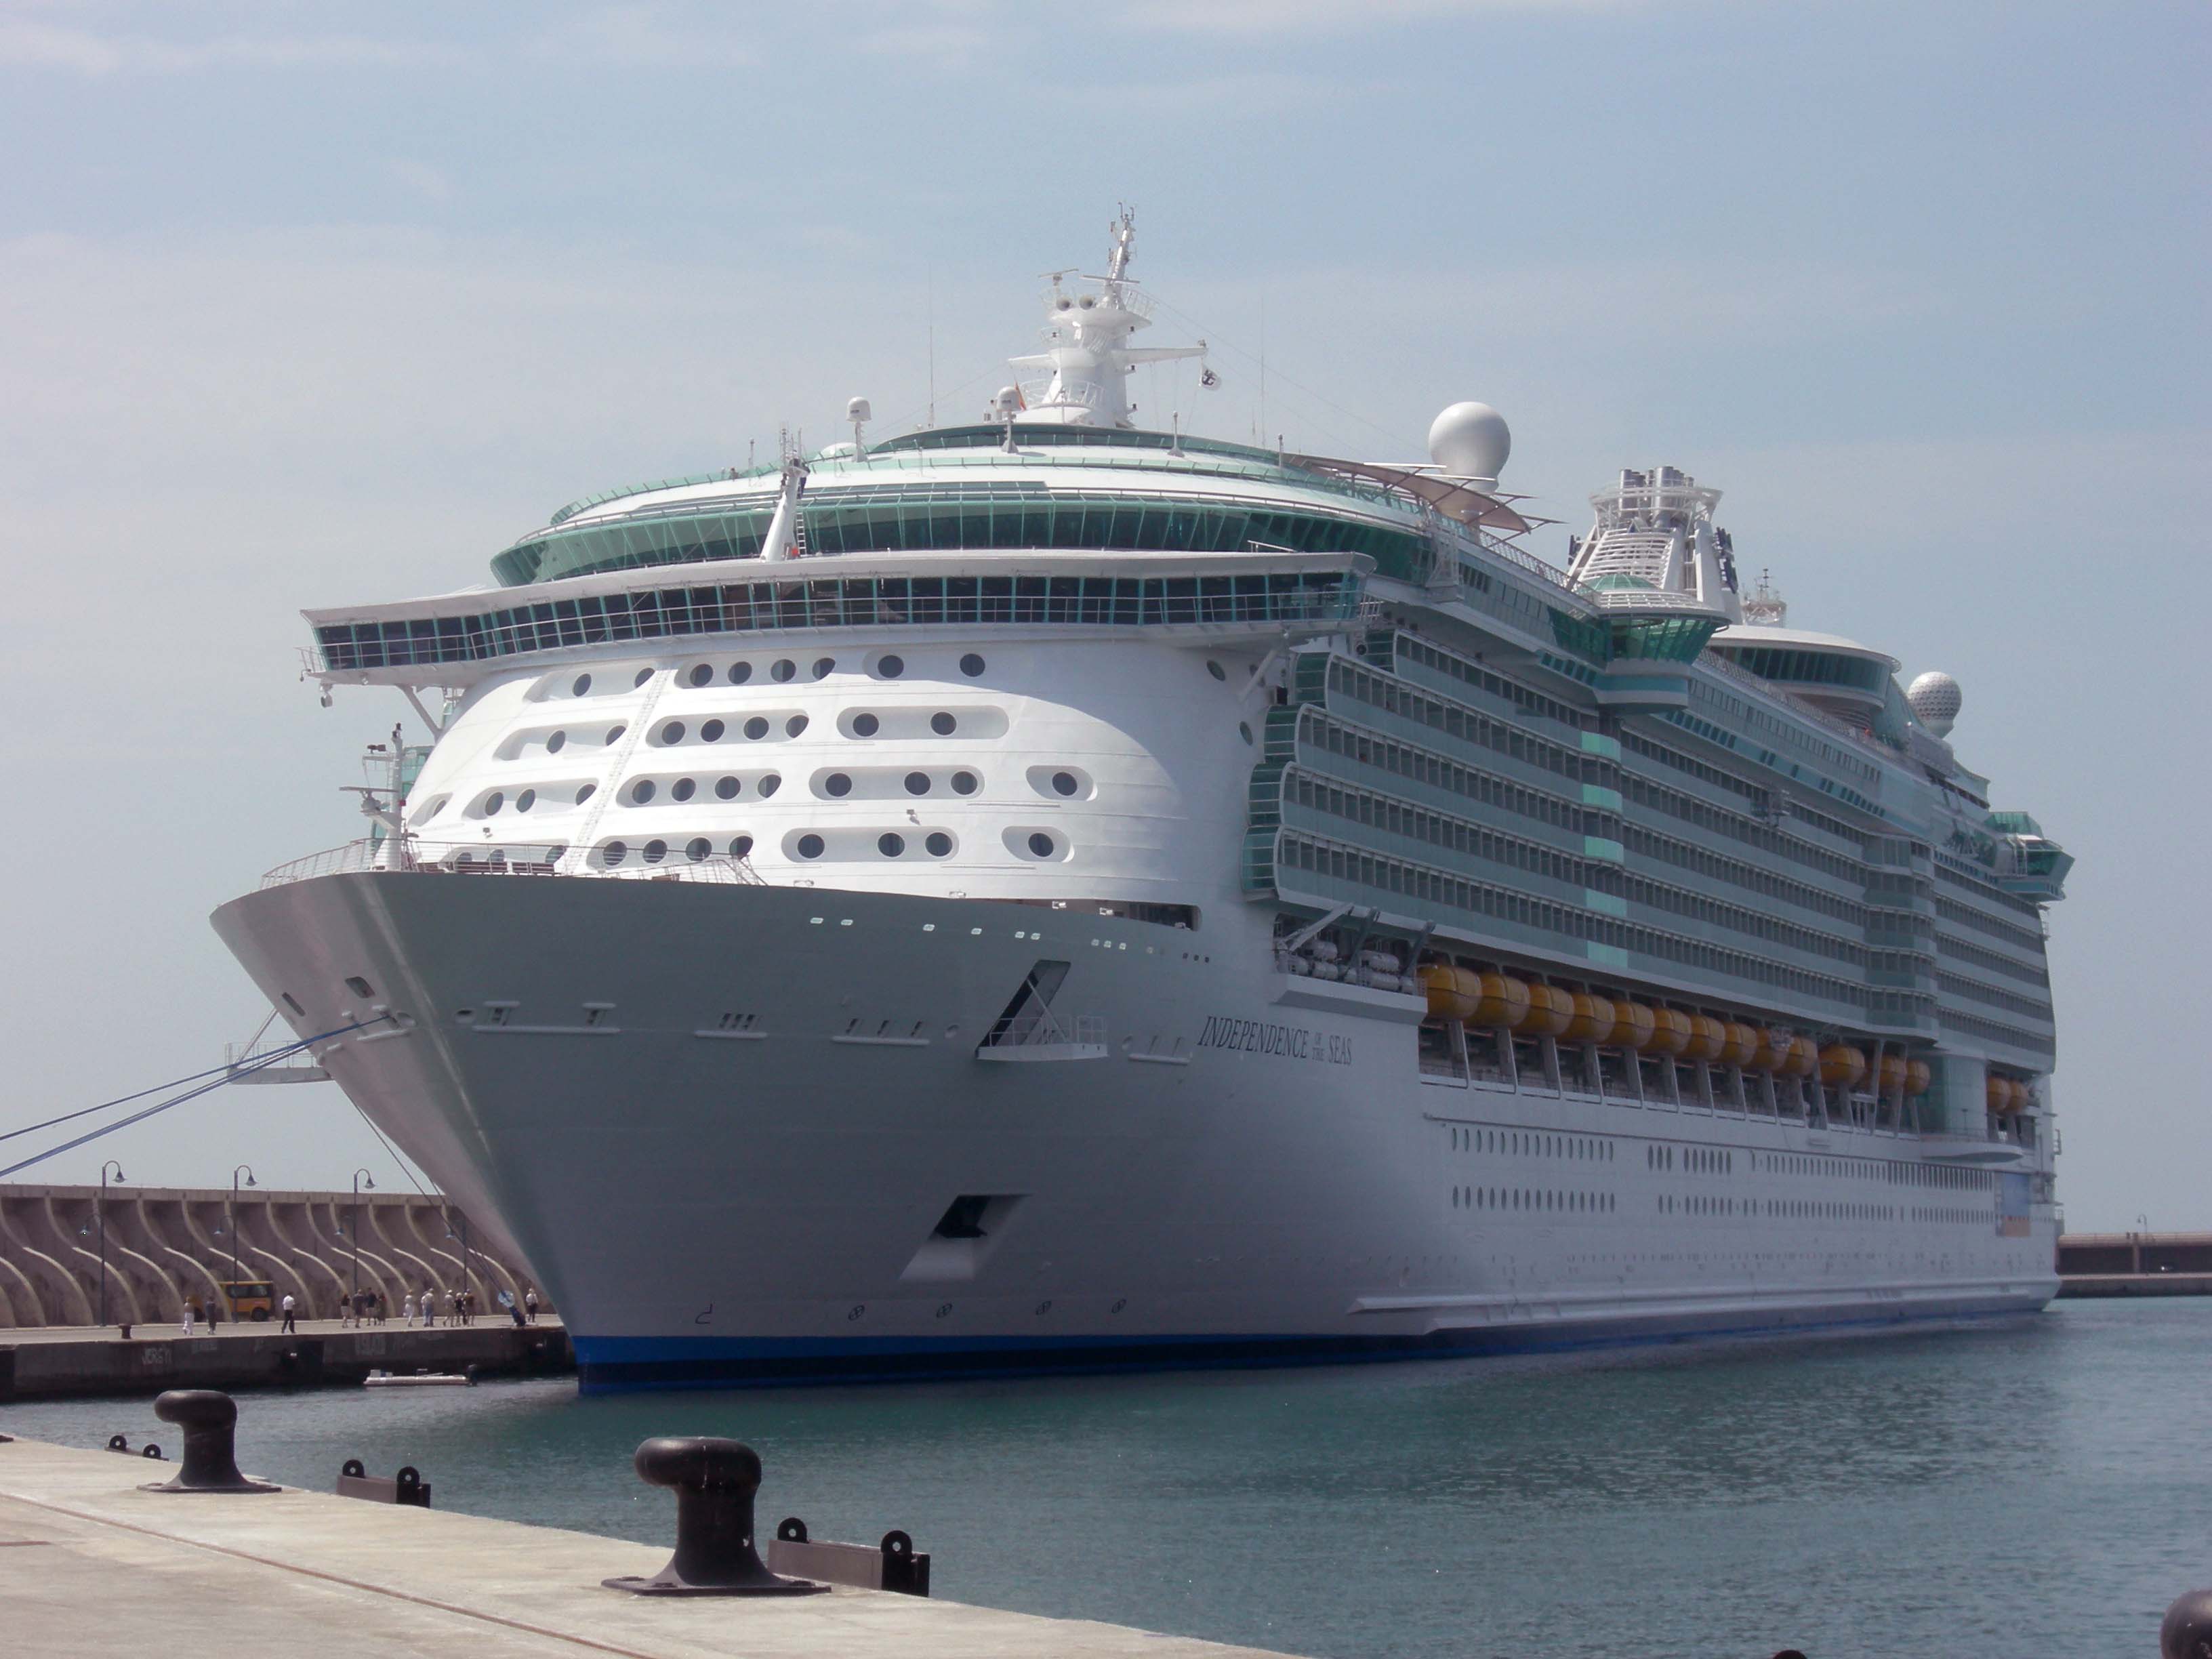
(723, 1121)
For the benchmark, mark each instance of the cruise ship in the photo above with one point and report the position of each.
(1055, 893)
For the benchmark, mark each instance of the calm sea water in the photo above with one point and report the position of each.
(2043, 1488)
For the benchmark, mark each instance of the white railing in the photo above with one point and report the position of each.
(387, 856)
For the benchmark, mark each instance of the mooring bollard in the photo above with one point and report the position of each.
(2187, 1631)
(716, 1481)
(891, 1566)
(408, 1487)
(210, 1421)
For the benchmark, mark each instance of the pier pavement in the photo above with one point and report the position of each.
(93, 1568)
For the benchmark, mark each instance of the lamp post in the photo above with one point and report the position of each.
(353, 1231)
(468, 1264)
(100, 1209)
(245, 1169)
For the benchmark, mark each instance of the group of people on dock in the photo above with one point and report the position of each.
(368, 1307)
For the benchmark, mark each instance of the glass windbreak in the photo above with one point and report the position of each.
(1797, 667)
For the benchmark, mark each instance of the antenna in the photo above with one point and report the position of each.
(858, 412)
(932, 420)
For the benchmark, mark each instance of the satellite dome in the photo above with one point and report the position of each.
(1470, 441)
(1936, 699)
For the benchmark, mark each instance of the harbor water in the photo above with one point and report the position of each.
(2036, 1487)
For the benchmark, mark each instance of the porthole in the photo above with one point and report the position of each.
(1041, 844)
(1216, 670)
(585, 792)
(1065, 783)
(681, 789)
(891, 846)
(963, 783)
(740, 672)
(655, 851)
(556, 743)
(614, 734)
(494, 801)
(696, 849)
(865, 725)
(643, 675)
(526, 800)
(823, 667)
(672, 732)
(755, 728)
(583, 683)
(727, 787)
(432, 809)
(917, 783)
(810, 847)
(781, 669)
(890, 667)
(740, 846)
(702, 674)
(795, 725)
(971, 665)
(613, 853)
(769, 784)
(943, 724)
(837, 784)
(711, 732)
(939, 844)
(642, 792)
(1244, 730)
(359, 986)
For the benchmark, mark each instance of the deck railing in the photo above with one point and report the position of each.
(385, 856)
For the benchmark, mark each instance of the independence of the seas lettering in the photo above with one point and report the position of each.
(1257, 1036)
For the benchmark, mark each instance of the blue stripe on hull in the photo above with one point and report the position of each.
(627, 1364)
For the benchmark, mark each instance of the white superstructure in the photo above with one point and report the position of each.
(1057, 893)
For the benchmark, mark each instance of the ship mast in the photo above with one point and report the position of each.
(1089, 357)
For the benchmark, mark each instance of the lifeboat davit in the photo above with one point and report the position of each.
(1918, 1075)
(1448, 997)
(1500, 1000)
(1840, 1063)
(1742, 1044)
(1593, 1020)
(1773, 1053)
(1632, 1024)
(1708, 1036)
(1804, 1059)
(1890, 1074)
(1550, 1011)
(1670, 1031)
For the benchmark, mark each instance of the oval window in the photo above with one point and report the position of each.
(781, 669)
(891, 846)
(838, 784)
(1216, 670)
(727, 788)
(963, 783)
(614, 852)
(526, 800)
(494, 801)
(1244, 730)
(823, 665)
(795, 725)
(865, 725)
(614, 734)
(1064, 783)
(583, 685)
(943, 724)
(642, 792)
(556, 743)
(655, 851)
(971, 665)
(711, 732)
(770, 783)
(682, 789)
(740, 845)
(585, 792)
(810, 847)
(917, 783)
(890, 667)
(672, 732)
(939, 843)
(701, 674)
(740, 672)
(643, 675)
(755, 728)
(1041, 844)
(696, 849)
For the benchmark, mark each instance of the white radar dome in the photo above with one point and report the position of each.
(1936, 699)
(1470, 441)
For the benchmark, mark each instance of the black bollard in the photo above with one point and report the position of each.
(2187, 1631)
(716, 1481)
(210, 1421)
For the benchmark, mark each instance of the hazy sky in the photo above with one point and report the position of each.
(302, 304)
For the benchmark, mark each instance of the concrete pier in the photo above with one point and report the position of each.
(91, 1567)
(2135, 1264)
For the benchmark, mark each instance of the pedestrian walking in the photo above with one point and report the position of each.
(289, 1307)
(192, 1315)
(407, 1307)
(215, 1313)
(448, 1308)
(529, 1302)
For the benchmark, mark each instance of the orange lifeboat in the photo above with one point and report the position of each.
(1918, 1076)
(1593, 1021)
(1670, 1031)
(1998, 1093)
(1550, 1011)
(1632, 1024)
(1841, 1063)
(1447, 987)
(1773, 1053)
(1742, 1044)
(1890, 1074)
(1708, 1036)
(1804, 1059)
(1500, 1000)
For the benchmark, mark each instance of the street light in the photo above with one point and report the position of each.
(353, 1229)
(245, 1169)
(100, 1209)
